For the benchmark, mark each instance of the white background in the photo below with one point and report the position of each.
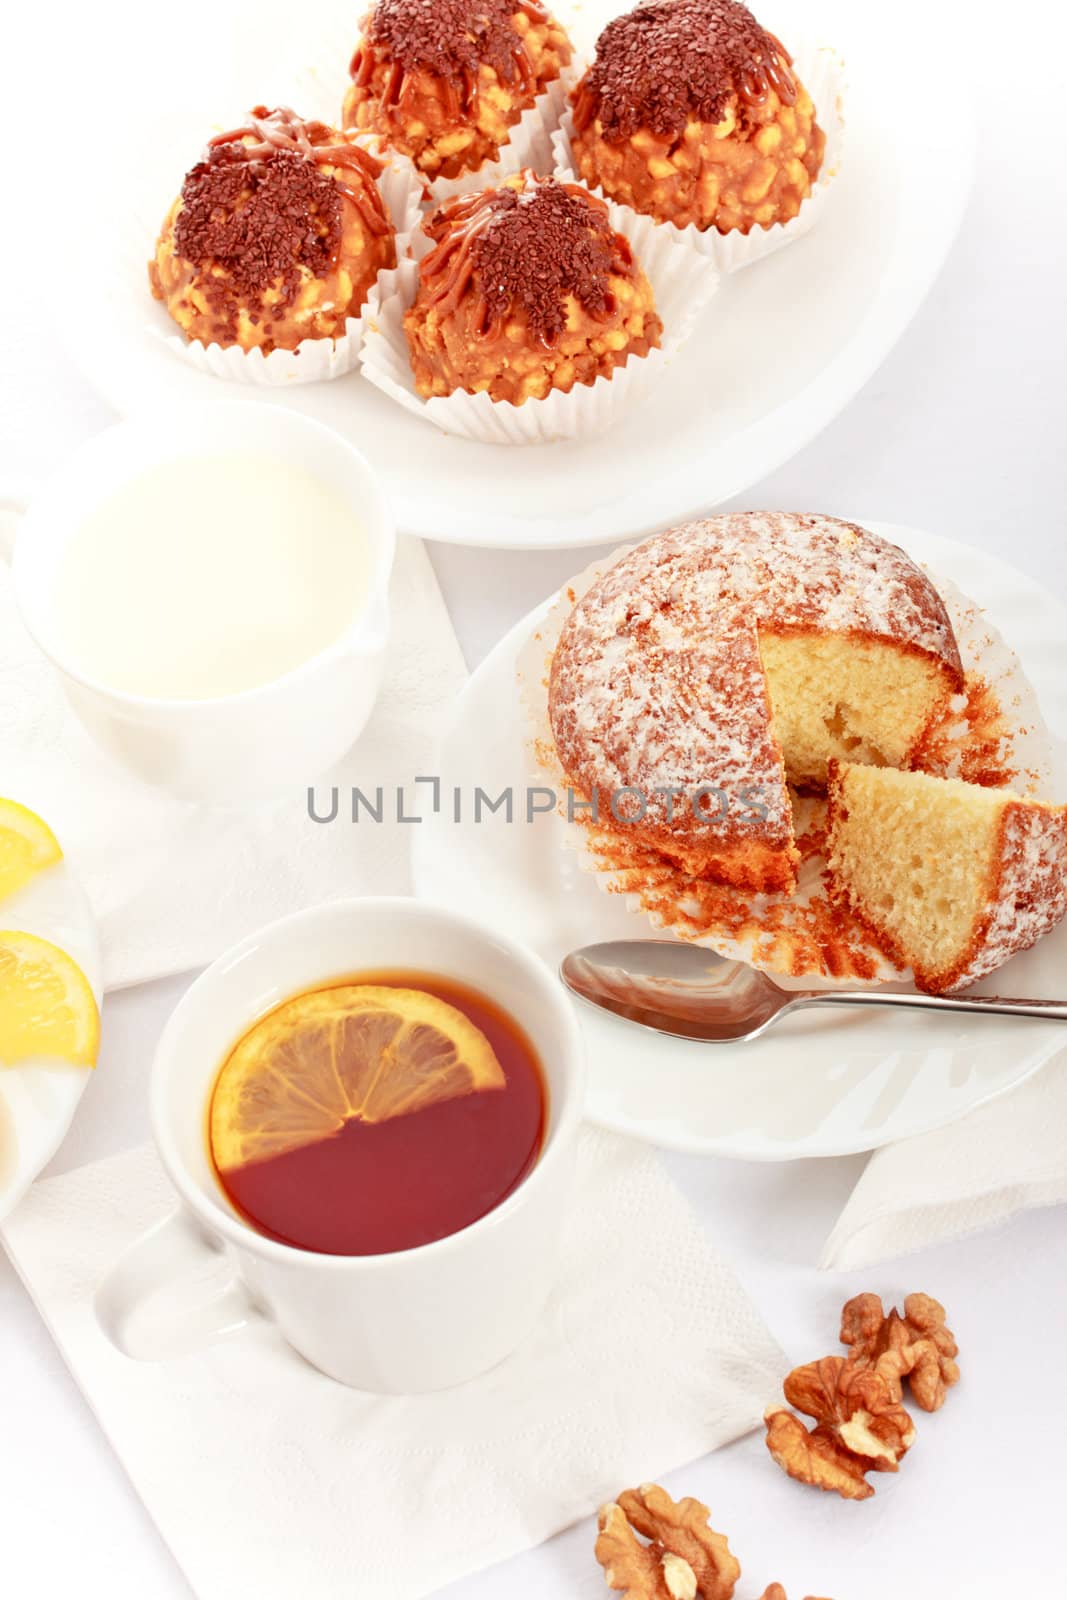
(962, 431)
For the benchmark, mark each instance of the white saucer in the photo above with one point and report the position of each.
(824, 1084)
(38, 1100)
(783, 347)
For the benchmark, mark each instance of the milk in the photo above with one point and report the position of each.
(208, 576)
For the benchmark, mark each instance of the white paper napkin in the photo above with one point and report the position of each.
(172, 884)
(1004, 1158)
(267, 1479)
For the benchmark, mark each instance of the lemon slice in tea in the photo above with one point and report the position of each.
(27, 846)
(360, 1050)
(47, 1008)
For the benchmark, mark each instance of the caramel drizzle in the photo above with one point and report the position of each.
(585, 106)
(282, 129)
(450, 269)
(770, 73)
(753, 87)
(458, 97)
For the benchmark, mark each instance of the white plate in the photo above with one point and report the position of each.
(38, 1100)
(783, 348)
(821, 1085)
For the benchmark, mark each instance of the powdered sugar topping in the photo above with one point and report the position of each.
(1030, 893)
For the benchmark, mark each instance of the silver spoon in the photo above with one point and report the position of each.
(693, 993)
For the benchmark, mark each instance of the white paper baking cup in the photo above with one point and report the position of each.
(821, 71)
(780, 932)
(683, 284)
(313, 360)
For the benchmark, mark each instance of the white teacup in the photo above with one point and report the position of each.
(416, 1320)
(236, 747)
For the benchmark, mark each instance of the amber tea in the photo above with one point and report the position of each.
(376, 1114)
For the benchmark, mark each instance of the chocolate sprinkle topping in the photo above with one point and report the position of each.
(260, 220)
(450, 38)
(663, 64)
(542, 244)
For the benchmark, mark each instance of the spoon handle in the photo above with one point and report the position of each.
(1051, 1010)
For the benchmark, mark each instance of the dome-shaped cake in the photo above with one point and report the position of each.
(445, 81)
(721, 660)
(528, 289)
(694, 114)
(278, 235)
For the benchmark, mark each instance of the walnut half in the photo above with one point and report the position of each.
(859, 1427)
(917, 1346)
(677, 1556)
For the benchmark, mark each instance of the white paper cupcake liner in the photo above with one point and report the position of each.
(821, 71)
(776, 932)
(313, 360)
(683, 285)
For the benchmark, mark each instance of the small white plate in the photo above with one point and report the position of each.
(38, 1100)
(782, 349)
(823, 1084)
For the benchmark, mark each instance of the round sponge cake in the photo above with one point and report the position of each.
(718, 662)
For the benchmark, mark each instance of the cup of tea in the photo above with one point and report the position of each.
(369, 1113)
(212, 588)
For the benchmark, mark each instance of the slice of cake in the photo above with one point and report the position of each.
(951, 878)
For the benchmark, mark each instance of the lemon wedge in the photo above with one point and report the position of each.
(360, 1050)
(47, 1009)
(27, 846)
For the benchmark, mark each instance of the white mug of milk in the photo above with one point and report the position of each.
(212, 589)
